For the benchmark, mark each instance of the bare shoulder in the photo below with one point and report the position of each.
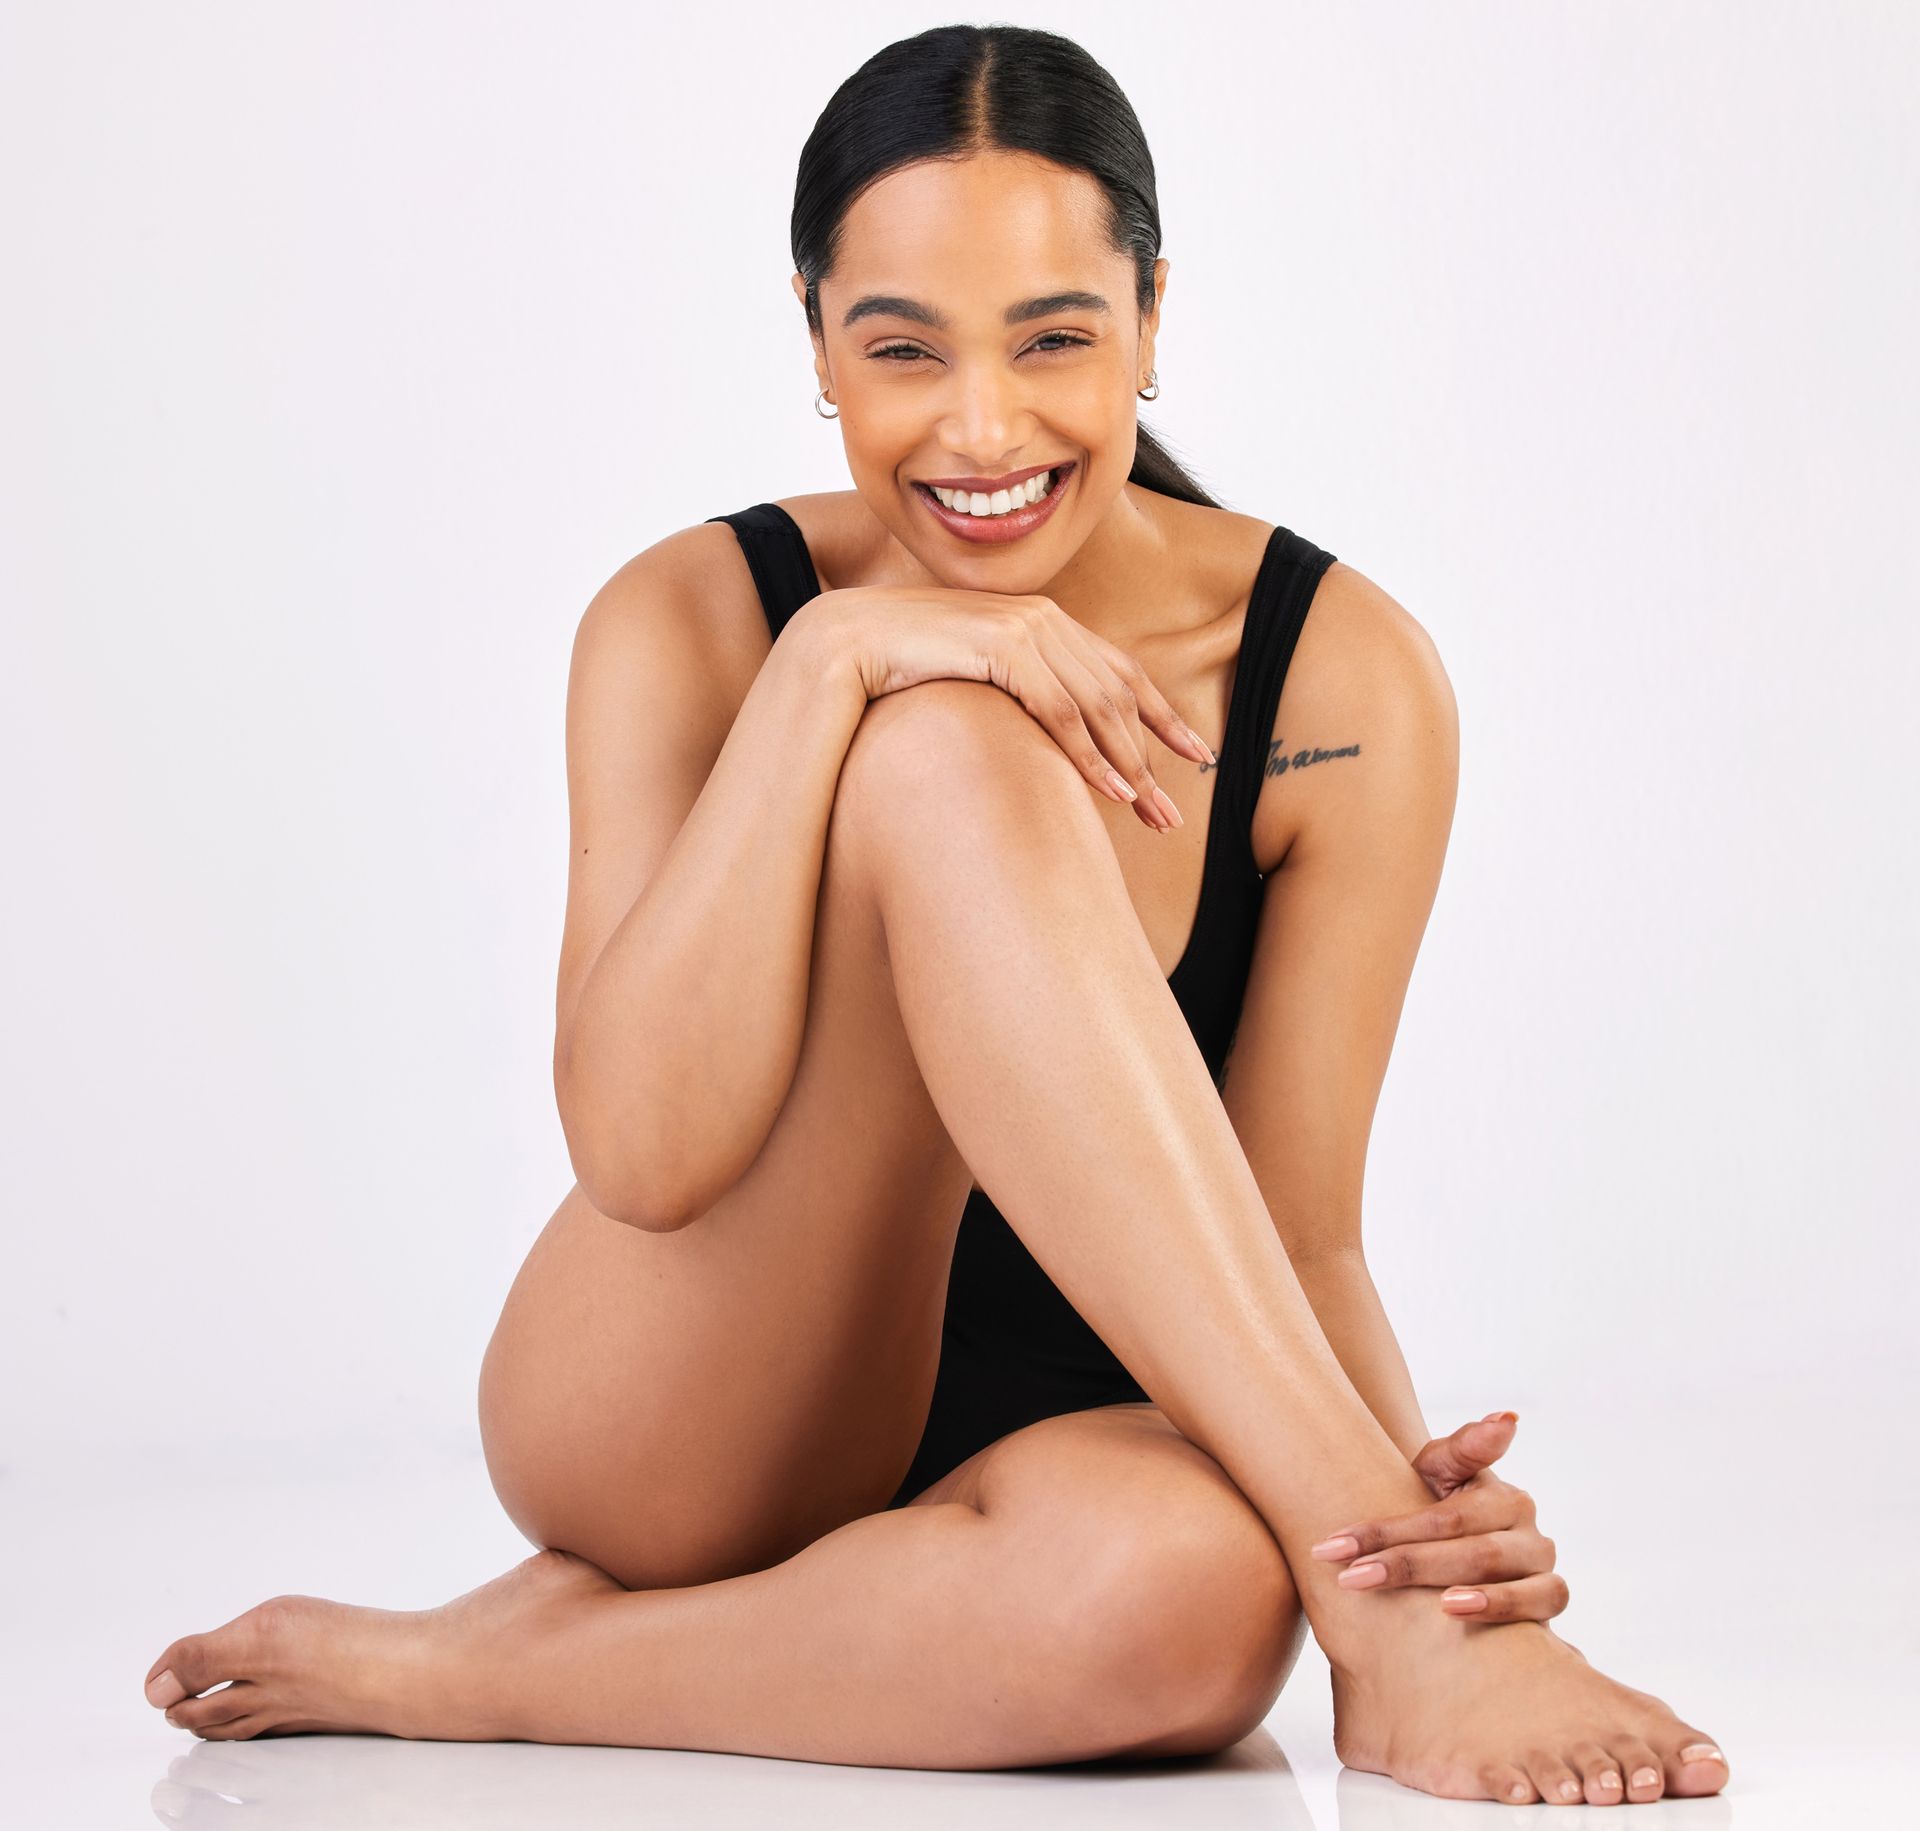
(1366, 735)
(681, 616)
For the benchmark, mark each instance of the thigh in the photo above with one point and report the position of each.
(683, 1406)
(1150, 1579)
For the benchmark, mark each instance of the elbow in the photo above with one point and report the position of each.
(622, 1177)
(630, 1197)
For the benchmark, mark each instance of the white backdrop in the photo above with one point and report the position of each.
(347, 349)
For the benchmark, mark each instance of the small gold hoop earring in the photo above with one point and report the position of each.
(1152, 390)
(817, 399)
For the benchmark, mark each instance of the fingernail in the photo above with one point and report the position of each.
(1466, 1601)
(1645, 1776)
(1342, 1547)
(164, 1690)
(1364, 1576)
(1166, 806)
(1121, 786)
(1701, 1751)
(1202, 742)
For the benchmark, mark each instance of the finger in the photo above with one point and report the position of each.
(1156, 711)
(1462, 1455)
(1536, 1598)
(1490, 1557)
(1107, 712)
(1470, 1509)
(1054, 708)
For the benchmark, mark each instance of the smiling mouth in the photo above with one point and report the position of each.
(989, 505)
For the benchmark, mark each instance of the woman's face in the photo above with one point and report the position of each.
(979, 328)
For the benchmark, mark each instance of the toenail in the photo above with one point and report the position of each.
(1609, 1781)
(1701, 1751)
(1569, 1789)
(164, 1689)
(1516, 1791)
(1645, 1776)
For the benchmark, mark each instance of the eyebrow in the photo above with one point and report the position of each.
(889, 305)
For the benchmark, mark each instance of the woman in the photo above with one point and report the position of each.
(850, 945)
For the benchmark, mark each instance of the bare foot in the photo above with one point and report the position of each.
(299, 1663)
(1509, 1711)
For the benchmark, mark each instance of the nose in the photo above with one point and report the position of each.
(985, 425)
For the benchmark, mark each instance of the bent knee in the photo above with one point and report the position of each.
(930, 744)
(1215, 1627)
(1180, 1612)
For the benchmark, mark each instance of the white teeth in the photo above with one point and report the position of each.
(1001, 502)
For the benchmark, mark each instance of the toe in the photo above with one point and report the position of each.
(221, 1705)
(1599, 1773)
(236, 1729)
(185, 1668)
(198, 1662)
(1645, 1771)
(1558, 1784)
(1694, 1763)
(1509, 1784)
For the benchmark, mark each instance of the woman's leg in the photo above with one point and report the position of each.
(1092, 1585)
(1060, 1067)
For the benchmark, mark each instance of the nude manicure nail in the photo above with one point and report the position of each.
(1363, 1576)
(1166, 806)
(1121, 786)
(1465, 1600)
(1341, 1547)
(1202, 742)
(1645, 1777)
(1701, 1751)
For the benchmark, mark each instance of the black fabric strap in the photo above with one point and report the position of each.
(777, 556)
(1290, 572)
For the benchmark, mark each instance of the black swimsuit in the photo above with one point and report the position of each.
(1014, 1350)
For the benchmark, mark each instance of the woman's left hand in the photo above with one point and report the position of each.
(1479, 1537)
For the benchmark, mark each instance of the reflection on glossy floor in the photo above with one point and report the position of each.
(1793, 1646)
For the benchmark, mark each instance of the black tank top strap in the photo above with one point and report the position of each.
(778, 558)
(1290, 572)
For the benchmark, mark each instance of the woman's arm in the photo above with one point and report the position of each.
(1359, 843)
(700, 776)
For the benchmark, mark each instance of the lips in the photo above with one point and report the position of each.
(987, 485)
(997, 530)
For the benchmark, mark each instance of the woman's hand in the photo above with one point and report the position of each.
(1480, 1536)
(1091, 697)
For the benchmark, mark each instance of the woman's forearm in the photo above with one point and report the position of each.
(684, 1037)
(1348, 1309)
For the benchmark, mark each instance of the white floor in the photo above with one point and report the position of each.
(1782, 1622)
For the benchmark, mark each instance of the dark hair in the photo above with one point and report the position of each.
(954, 90)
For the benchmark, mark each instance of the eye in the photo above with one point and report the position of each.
(1073, 341)
(1051, 343)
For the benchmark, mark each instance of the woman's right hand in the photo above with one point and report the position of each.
(1091, 697)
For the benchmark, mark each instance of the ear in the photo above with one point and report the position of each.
(819, 347)
(1150, 325)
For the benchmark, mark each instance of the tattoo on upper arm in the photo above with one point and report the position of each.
(1279, 761)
